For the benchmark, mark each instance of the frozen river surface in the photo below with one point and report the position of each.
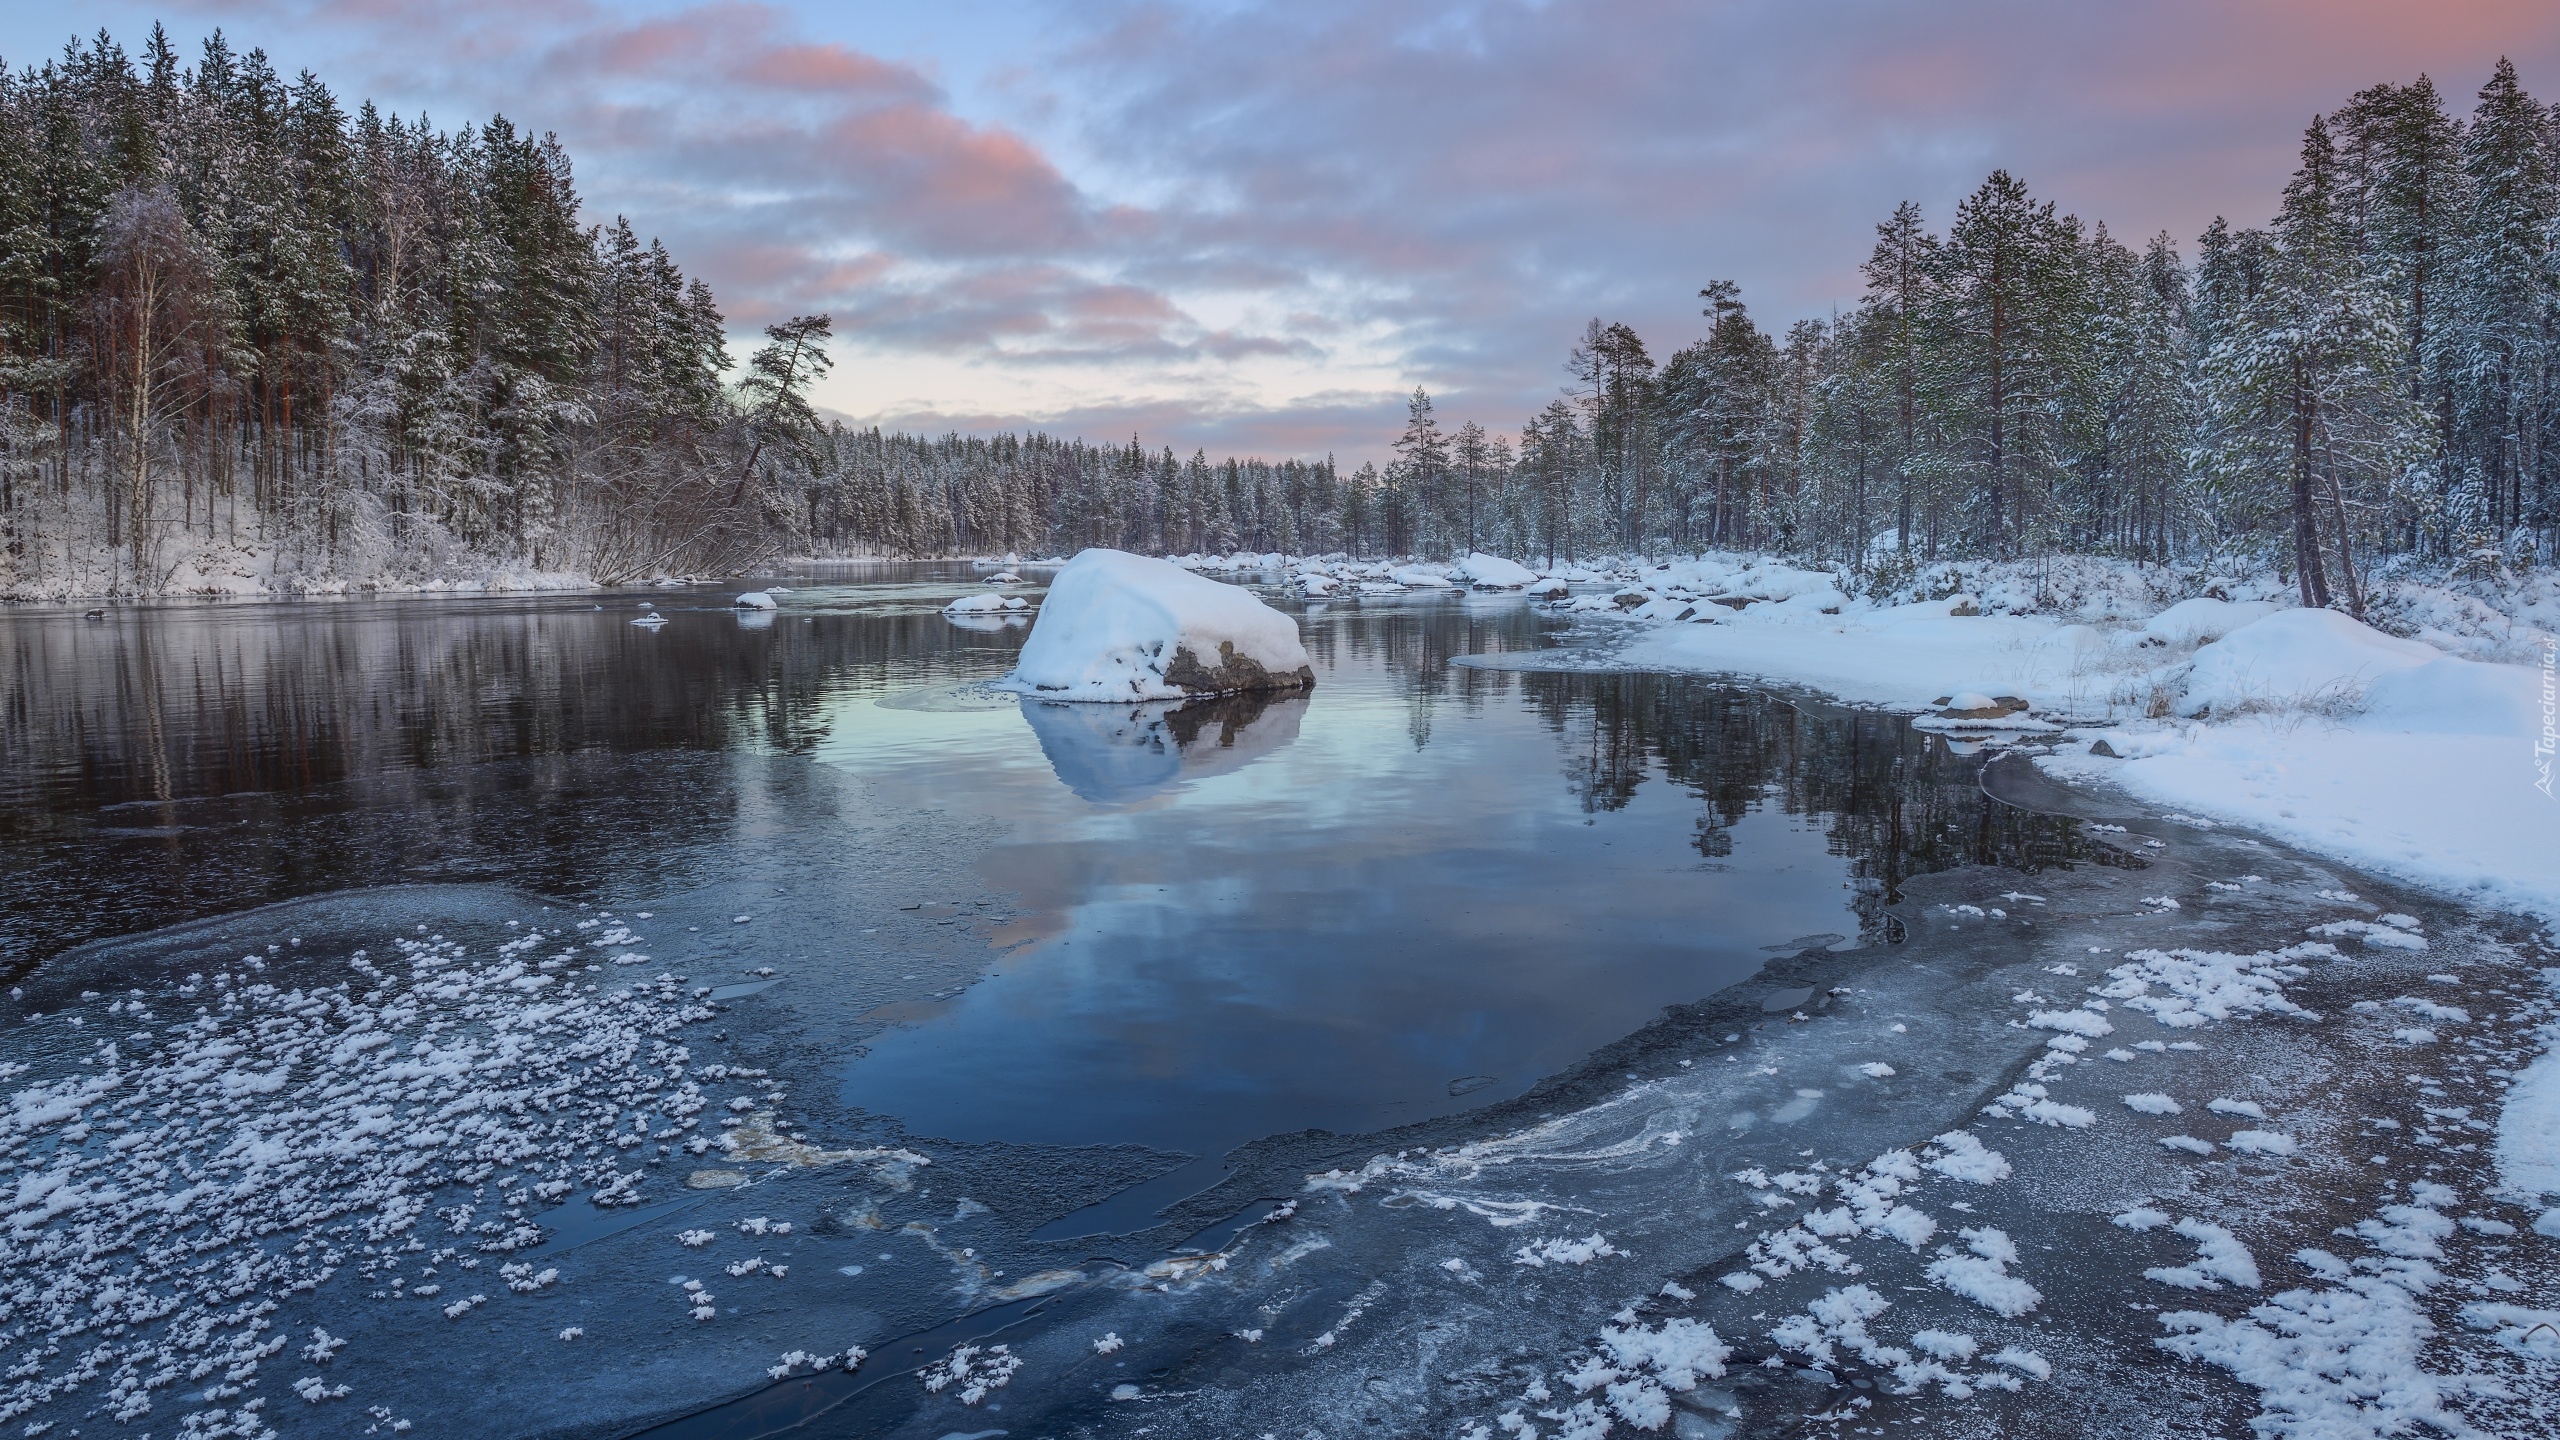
(488, 1016)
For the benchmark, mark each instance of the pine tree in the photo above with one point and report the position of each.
(2007, 356)
(2501, 350)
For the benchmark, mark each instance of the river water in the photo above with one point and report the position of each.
(1074, 954)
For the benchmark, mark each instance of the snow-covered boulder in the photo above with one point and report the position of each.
(754, 600)
(1978, 704)
(2296, 658)
(1492, 572)
(975, 604)
(1121, 627)
(2204, 619)
(1550, 588)
(1419, 577)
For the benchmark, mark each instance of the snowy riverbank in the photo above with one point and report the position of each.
(2403, 756)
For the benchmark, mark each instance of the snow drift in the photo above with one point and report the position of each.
(1118, 627)
(2293, 659)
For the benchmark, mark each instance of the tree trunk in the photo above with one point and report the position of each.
(2308, 575)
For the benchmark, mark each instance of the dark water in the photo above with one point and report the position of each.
(1416, 891)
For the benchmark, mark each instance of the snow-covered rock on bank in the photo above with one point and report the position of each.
(1120, 627)
(1492, 572)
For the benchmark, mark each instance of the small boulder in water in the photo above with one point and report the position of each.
(1974, 705)
(754, 600)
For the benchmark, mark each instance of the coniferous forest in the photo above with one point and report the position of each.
(243, 324)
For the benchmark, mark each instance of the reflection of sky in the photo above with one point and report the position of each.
(1327, 936)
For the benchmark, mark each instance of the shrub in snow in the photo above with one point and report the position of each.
(1120, 627)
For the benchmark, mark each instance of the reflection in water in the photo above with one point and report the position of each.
(1895, 802)
(1114, 754)
(1214, 921)
(181, 761)
(985, 624)
(1410, 911)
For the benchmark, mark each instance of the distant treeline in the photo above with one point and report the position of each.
(236, 319)
(2372, 375)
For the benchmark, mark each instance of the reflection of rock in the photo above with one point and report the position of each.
(752, 619)
(1114, 753)
(989, 622)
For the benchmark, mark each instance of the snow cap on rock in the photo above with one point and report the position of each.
(1492, 572)
(1122, 627)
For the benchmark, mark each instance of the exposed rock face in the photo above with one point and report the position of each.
(1232, 674)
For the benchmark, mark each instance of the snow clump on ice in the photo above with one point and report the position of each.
(1983, 1277)
(192, 1168)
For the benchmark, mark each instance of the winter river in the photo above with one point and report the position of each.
(362, 941)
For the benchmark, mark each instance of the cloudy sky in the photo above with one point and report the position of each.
(1254, 227)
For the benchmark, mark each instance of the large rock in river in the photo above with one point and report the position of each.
(1122, 627)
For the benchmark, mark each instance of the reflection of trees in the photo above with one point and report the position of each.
(1414, 640)
(191, 761)
(1894, 801)
(194, 702)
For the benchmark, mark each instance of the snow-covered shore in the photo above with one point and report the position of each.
(2404, 756)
